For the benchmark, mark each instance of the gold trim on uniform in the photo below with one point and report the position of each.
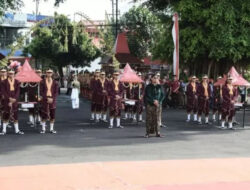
(205, 89)
(116, 82)
(11, 82)
(49, 85)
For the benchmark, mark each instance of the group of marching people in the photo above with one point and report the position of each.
(198, 101)
(110, 94)
(45, 101)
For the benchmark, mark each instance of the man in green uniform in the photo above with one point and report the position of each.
(153, 99)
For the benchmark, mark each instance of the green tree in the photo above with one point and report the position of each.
(213, 34)
(141, 26)
(107, 38)
(9, 4)
(62, 43)
(57, 2)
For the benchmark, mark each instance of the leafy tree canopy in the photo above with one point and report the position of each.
(63, 43)
(211, 32)
(9, 4)
(141, 26)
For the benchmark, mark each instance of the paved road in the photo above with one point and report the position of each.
(78, 140)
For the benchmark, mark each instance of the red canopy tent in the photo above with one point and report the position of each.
(238, 80)
(27, 74)
(130, 75)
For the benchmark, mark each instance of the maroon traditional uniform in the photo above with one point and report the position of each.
(32, 96)
(48, 89)
(229, 94)
(102, 91)
(217, 99)
(192, 98)
(95, 98)
(203, 93)
(10, 89)
(138, 94)
(175, 85)
(128, 94)
(115, 88)
(2, 78)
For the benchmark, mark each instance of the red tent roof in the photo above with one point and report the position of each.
(130, 76)
(121, 44)
(238, 80)
(27, 74)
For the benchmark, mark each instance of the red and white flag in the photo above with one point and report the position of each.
(175, 34)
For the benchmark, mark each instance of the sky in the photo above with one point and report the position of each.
(95, 9)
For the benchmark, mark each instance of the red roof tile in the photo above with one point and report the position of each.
(121, 44)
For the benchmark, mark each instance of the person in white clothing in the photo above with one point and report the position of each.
(75, 93)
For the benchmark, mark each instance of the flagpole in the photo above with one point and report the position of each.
(175, 35)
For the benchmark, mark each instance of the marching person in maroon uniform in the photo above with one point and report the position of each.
(115, 92)
(175, 85)
(217, 101)
(11, 89)
(128, 88)
(95, 98)
(49, 92)
(192, 99)
(138, 93)
(102, 91)
(203, 93)
(3, 76)
(229, 94)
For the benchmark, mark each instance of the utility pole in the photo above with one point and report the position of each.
(116, 19)
(37, 8)
(36, 13)
(115, 15)
(113, 10)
